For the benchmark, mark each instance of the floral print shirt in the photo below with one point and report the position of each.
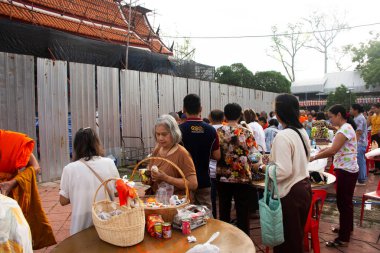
(345, 158)
(236, 144)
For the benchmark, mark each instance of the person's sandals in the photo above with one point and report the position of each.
(336, 243)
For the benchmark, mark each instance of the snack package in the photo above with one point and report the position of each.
(198, 216)
(150, 221)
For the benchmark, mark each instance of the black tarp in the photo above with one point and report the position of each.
(22, 38)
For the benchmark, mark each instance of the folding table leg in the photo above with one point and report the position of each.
(362, 210)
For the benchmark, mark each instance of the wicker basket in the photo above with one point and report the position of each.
(125, 229)
(167, 213)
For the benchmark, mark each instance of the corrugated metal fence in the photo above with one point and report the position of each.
(120, 104)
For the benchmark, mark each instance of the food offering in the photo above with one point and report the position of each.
(167, 230)
(127, 216)
(164, 202)
(154, 225)
(191, 217)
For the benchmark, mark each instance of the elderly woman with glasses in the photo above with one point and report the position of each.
(82, 177)
(168, 137)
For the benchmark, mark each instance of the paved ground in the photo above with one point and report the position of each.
(364, 239)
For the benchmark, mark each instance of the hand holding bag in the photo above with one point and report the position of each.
(272, 229)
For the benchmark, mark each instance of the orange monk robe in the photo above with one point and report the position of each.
(15, 151)
(26, 194)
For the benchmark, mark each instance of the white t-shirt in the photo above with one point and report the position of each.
(79, 184)
(346, 157)
(259, 135)
(212, 165)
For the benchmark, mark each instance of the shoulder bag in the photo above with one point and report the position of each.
(272, 229)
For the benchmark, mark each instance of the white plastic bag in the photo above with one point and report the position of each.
(206, 247)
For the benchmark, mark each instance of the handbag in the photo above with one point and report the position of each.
(270, 209)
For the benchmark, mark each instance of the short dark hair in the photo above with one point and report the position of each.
(87, 144)
(263, 119)
(217, 115)
(320, 116)
(232, 111)
(288, 110)
(335, 109)
(358, 108)
(192, 104)
(206, 120)
(273, 122)
(271, 113)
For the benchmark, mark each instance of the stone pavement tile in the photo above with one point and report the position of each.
(363, 234)
(60, 209)
(58, 216)
(62, 235)
(56, 225)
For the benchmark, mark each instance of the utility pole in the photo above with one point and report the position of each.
(129, 33)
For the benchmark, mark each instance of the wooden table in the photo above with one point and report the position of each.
(231, 239)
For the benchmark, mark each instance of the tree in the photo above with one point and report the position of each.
(367, 57)
(271, 81)
(325, 29)
(184, 51)
(286, 46)
(342, 95)
(236, 74)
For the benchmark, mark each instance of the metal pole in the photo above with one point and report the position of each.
(129, 33)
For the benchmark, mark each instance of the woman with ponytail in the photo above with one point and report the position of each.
(344, 150)
(291, 152)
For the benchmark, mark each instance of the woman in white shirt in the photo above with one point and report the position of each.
(344, 150)
(250, 118)
(290, 152)
(79, 182)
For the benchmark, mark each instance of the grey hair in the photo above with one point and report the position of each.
(171, 125)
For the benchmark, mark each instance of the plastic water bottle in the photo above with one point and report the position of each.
(313, 144)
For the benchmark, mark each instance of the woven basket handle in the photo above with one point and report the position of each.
(172, 164)
(105, 191)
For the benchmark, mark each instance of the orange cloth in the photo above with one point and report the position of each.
(15, 151)
(302, 119)
(26, 194)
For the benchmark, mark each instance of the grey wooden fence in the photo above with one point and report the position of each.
(17, 96)
(123, 103)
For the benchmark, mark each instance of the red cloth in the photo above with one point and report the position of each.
(15, 151)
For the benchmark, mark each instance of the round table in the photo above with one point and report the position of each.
(231, 239)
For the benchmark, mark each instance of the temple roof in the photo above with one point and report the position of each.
(105, 20)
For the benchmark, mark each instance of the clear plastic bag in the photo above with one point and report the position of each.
(206, 247)
(164, 193)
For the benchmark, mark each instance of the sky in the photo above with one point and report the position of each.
(247, 17)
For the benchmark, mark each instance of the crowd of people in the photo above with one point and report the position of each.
(215, 155)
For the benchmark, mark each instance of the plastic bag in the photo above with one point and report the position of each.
(206, 247)
(164, 193)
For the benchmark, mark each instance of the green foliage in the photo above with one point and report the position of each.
(342, 95)
(236, 74)
(271, 81)
(367, 56)
(184, 50)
